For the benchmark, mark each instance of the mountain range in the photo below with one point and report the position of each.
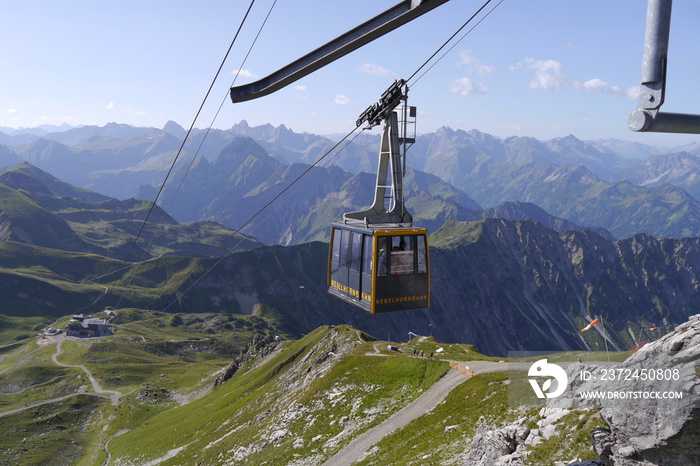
(232, 174)
(530, 241)
(513, 277)
(39, 209)
(556, 245)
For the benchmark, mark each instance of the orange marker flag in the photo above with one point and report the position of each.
(595, 321)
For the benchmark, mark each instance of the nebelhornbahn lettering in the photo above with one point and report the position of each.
(350, 291)
(402, 299)
(367, 297)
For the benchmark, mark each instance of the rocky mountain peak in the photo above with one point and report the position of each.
(174, 129)
(239, 149)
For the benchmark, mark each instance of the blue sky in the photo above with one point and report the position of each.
(540, 68)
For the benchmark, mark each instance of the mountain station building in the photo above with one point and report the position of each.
(83, 325)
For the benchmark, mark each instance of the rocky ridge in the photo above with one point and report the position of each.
(642, 431)
(648, 430)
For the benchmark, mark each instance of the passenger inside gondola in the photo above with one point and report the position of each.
(401, 258)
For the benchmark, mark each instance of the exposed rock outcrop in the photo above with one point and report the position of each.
(652, 421)
(492, 446)
(259, 347)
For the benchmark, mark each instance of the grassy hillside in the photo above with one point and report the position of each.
(38, 209)
(301, 402)
(23, 220)
(284, 402)
(52, 414)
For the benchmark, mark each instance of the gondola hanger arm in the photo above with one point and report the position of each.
(366, 32)
(648, 115)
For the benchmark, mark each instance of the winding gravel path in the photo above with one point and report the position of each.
(112, 394)
(360, 445)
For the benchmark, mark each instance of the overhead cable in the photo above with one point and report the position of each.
(177, 155)
(263, 208)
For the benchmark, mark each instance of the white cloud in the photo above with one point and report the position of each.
(110, 106)
(631, 93)
(11, 110)
(375, 70)
(473, 64)
(244, 74)
(517, 67)
(342, 100)
(594, 84)
(562, 127)
(516, 128)
(465, 86)
(301, 88)
(548, 75)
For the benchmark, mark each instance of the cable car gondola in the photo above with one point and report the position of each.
(380, 269)
(405, 287)
(377, 260)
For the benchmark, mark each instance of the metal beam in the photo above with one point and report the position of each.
(647, 116)
(376, 27)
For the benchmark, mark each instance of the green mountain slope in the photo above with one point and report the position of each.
(298, 402)
(23, 220)
(576, 194)
(503, 285)
(169, 393)
(36, 208)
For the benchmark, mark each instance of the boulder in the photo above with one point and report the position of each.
(647, 427)
(495, 446)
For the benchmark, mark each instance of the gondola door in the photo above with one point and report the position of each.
(354, 256)
(402, 277)
(346, 268)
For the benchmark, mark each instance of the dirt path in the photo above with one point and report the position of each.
(19, 360)
(45, 402)
(112, 394)
(359, 446)
(106, 445)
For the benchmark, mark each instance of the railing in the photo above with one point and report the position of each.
(465, 370)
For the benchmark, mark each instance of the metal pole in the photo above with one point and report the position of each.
(647, 116)
(662, 122)
(656, 43)
(605, 335)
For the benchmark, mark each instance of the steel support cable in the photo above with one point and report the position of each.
(335, 146)
(216, 115)
(238, 230)
(448, 40)
(456, 43)
(184, 141)
(206, 134)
